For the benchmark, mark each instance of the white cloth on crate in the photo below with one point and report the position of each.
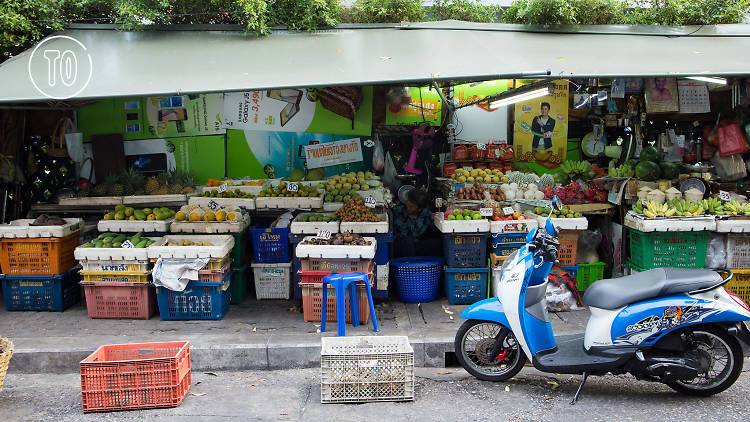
(175, 273)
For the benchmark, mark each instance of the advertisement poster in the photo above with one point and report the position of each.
(541, 128)
(333, 153)
(425, 107)
(336, 110)
(184, 115)
(479, 123)
(661, 95)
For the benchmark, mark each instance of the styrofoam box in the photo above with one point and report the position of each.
(92, 200)
(513, 226)
(112, 254)
(128, 226)
(222, 245)
(154, 199)
(460, 226)
(289, 202)
(230, 203)
(210, 227)
(22, 229)
(253, 190)
(364, 227)
(332, 206)
(683, 224)
(337, 251)
(580, 223)
(313, 227)
(733, 225)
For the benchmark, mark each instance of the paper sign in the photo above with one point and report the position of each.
(481, 147)
(724, 195)
(222, 188)
(508, 210)
(333, 153)
(212, 204)
(324, 234)
(370, 202)
(127, 244)
(292, 187)
(438, 202)
(486, 212)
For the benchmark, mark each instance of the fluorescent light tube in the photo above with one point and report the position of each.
(541, 92)
(720, 81)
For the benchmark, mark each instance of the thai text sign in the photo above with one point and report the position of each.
(333, 153)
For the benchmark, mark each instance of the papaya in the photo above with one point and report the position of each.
(99, 244)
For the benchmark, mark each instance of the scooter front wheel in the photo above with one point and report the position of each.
(478, 353)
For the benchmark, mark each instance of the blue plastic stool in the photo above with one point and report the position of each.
(341, 282)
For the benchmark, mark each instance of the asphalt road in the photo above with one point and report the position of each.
(441, 395)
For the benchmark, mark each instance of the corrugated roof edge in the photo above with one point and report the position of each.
(730, 30)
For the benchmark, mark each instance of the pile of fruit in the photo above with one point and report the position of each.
(282, 191)
(195, 213)
(133, 182)
(653, 209)
(351, 181)
(462, 214)
(184, 242)
(499, 215)
(565, 212)
(340, 195)
(315, 218)
(478, 175)
(212, 183)
(344, 238)
(626, 169)
(650, 167)
(680, 207)
(716, 206)
(477, 192)
(574, 193)
(354, 209)
(214, 193)
(115, 240)
(122, 212)
(577, 169)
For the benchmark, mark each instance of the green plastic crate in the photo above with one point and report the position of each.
(589, 273)
(668, 249)
(239, 287)
(239, 252)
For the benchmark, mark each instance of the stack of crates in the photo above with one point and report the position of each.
(272, 266)
(738, 259)
(38, 266)
(466, 271)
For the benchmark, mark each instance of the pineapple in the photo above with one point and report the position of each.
(546, 181)
(99, 190)
(151, 185)
(174, 179)
(188, 182)
(115, 188)
(133, 181)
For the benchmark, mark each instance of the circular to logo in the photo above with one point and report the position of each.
(60, 67)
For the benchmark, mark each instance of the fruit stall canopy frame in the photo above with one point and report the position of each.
(221, 59)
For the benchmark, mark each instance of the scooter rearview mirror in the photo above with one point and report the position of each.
(557, 203)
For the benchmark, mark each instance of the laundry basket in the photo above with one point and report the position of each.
(6, 351)
(417, 278)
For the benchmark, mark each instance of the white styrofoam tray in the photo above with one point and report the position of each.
(253, 190)
(460, 226)
(332, 206)
(222, 245)
(134, 226)
(580, 223)
(733, 225)
(364, 227)
(513, 226)
(230, 203)
(92, 200)
(113, 254)
(337, 251)
(210, 227)
(154, 199)
(313, 227)
(289, 202)
(682, 224)
(22, 228)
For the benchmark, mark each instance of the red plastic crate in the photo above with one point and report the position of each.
(344, 265)
(38, 256)
(312, 303)
(121, 300)
(135, 376)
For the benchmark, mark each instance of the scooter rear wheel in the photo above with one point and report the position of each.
(474, 341)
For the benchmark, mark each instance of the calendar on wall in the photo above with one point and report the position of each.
(693, 97)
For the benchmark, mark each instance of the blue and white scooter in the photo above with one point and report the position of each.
(669, 325)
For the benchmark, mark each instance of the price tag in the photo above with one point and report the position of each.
(438, 202)
(370, 202)
(127, 244)
(482, 147)
(508, 210)
(292, 187)
(222, 188)
(212, 204)
(486, 212)
(324, 234)
(724, 195)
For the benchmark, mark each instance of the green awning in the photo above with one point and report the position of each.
(198, 61)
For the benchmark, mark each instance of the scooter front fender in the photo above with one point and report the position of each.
(487, 310)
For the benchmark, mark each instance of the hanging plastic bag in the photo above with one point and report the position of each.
(562, 293)
(731, 138)
(716, 253)
(74, 143)
(729, 168)
(389, 172)
(378, 158)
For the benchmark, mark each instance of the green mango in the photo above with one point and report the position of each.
(142, 244)
(99, 244)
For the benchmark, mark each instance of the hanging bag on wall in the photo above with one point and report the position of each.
(57, 146)
(731, 138)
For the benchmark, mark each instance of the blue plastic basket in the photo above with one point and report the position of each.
(505, 249)
(199, 300)
(270, 244)
(465, 250)
(464, 286)
(41, 292)
(417, 278)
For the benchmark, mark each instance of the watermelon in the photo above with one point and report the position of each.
(647, 170)
(669, 170)
(650, 153)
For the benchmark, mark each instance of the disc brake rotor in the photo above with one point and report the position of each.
(482, 351)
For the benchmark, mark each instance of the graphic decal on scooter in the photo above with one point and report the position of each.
(671, 317)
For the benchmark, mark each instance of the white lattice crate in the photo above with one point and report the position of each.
(313, 227)
(305, 202)
(460, 226)
(365, 227)
(738, 251)
(23, 229)
(173, 199)
(336, 251)
(366, 369)
(272, 281)
(134, 226)
(211, 227)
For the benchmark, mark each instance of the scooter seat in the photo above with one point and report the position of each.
(614, 293)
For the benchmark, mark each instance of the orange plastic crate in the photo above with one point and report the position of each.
(568, 247)
(312, 303)
(119, 300)
(38, 256)
(135, 376)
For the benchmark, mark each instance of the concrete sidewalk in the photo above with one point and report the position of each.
(254, 335)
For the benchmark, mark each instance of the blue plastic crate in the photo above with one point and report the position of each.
(270, 244)
(505, 249)
(464, 286)
(417, 278)
(465, 250)
(294, 239)
(505, 238)
(41, 292)
(199, 300)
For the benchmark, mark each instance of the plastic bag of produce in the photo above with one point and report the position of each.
(562, 293)
(716, 253)
(588, 243)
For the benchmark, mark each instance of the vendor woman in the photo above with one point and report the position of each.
(410, 223)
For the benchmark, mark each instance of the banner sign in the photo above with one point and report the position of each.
(425, 107)
(333, 153)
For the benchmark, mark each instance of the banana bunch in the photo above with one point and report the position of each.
(653, 210)
(638, 207)
(735, 208)
(686, 208)
(577, 169)
(624, 170)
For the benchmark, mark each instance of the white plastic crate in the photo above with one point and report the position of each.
(210, 227)
(313, 227)
(222, 245)
(578, 223)
(168, 200)
(513, 226)
(460, 226)
(337, 251)
(681, 224)
(272, 281)
(738, 251)
(22, 229)
(112, 254)
(733, 224)
(289, 202)
(230, 203)
(120, 265)
(134, 226)
(366, 369)
(364, 227)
